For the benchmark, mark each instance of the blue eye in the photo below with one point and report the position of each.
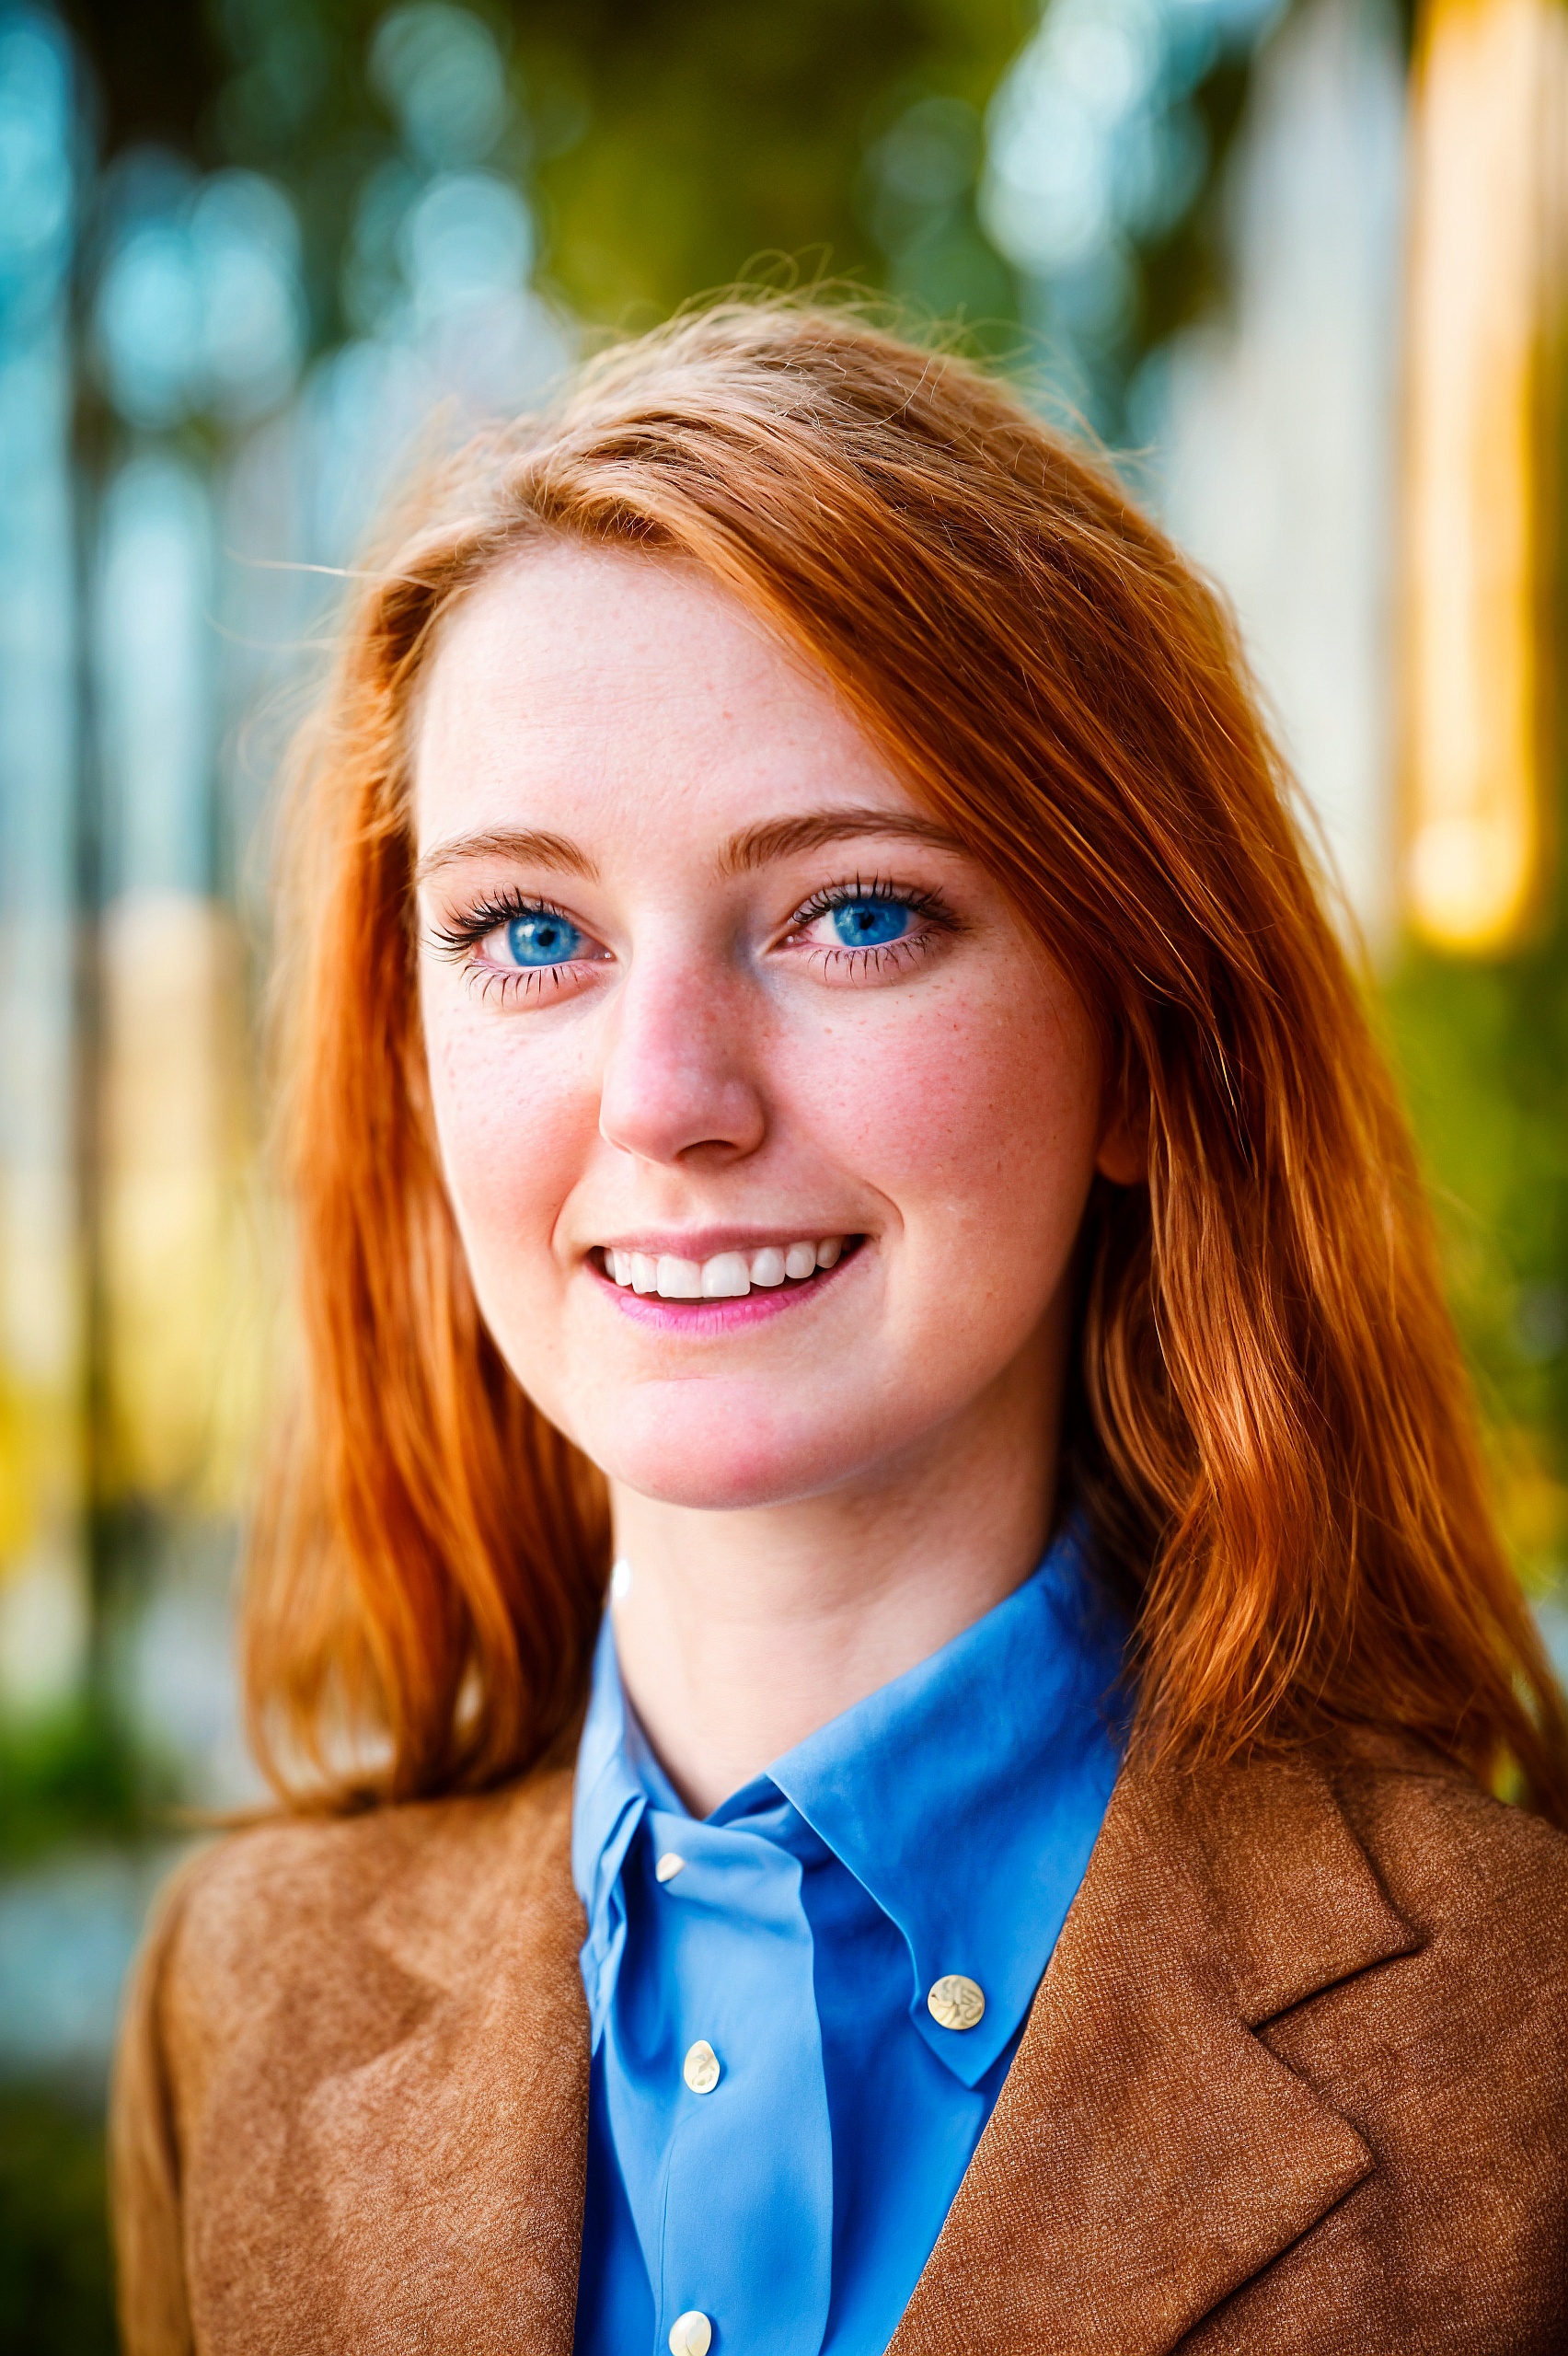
(870, 924)
(542, 939)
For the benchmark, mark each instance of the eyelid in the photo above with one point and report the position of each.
(922, 898)
(462, 935)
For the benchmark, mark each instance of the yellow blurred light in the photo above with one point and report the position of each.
(184, 1328)
(1491, 108)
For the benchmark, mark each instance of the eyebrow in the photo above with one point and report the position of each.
(525, 843)
(787, 837)
(754, 847)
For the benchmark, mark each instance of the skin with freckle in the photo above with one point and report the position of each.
(707, 1072)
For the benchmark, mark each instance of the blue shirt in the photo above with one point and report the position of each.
(939, 1827)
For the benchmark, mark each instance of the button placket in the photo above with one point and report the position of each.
(730, 1917)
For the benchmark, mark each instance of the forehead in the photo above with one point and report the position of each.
(588, 690)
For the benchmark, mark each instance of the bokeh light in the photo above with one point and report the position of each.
(1094, 148)
(199, 302)
(1491, 145)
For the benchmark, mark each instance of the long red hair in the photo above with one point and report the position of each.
(1270, 1426)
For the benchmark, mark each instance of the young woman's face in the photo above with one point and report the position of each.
(767, 1128)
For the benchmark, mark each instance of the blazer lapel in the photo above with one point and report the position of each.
(448, 2169)
(1148, 2154)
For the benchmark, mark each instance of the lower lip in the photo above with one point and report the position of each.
(696, 1319)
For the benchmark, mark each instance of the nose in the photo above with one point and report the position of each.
(680, 1081)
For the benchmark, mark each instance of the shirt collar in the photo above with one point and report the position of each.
(964, 1796)
(967, 1794)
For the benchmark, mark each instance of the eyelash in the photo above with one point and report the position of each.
(487, 916)
(463, 935)
(926, 904)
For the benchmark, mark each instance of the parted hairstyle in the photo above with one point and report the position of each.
(1268, 1425)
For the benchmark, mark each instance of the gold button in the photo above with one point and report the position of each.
(701, 2068)
(691, 2334)
(955, 2001)
(668, 1866)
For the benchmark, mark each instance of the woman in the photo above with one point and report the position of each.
(818, 1072)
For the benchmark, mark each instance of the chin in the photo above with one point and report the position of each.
(719, 1456)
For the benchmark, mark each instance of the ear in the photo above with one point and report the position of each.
(1123, 1153)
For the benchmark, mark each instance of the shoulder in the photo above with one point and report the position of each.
(1401, 1940)
(301, 1867)
(1451, 2056)
(311, 2011)
(296, 1876)
(334, 1927)
(1457, 1863)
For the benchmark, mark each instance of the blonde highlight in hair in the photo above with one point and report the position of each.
(1270, 1426)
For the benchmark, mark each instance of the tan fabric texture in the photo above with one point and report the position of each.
(1297, 2080)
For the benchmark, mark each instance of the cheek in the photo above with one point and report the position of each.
(977, 1117)
(511, 1128)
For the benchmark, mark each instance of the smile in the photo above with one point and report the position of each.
(726, 1275)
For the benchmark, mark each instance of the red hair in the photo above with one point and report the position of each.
(1269, 1425)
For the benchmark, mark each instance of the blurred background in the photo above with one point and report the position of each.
(1299, 262)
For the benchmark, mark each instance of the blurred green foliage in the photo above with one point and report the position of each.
(55, 2278)
(668, 144)
(669, 147)
(682, 142)
(75, 1773)
(1482, 1050)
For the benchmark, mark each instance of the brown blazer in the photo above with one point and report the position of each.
(1296, 2079)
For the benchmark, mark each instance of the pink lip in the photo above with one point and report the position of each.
(699, 1319)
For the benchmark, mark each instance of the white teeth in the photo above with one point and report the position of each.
(725, 1277)
(728, 1276)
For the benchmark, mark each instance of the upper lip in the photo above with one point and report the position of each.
(707, 1242)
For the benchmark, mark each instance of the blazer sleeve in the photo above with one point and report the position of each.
(144, 2153)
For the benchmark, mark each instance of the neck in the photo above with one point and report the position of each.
(742, 1632)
